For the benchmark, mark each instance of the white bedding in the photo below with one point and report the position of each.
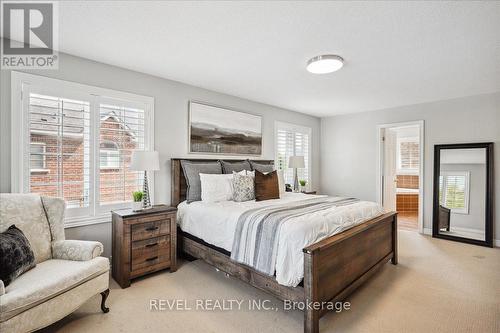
(215, 223)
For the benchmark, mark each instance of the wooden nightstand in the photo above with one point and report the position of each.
(143, 242)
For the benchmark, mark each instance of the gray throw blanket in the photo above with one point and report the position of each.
(257, 232)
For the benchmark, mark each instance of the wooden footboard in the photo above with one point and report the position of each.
(336, 266)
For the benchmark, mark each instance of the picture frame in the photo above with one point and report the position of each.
(216, 130)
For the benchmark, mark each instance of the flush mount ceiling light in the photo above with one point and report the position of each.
(324, 64)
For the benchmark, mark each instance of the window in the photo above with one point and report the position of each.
(109, 155)
(408, 156)
(293, 140)
(37, 157)
(454, 191)
(76, 144)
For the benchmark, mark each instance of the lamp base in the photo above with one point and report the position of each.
(295, 181)
(146, 202)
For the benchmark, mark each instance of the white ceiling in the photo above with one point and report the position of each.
(397, 53)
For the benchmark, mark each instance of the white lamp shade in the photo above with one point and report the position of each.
(296, 162)
(144, 161)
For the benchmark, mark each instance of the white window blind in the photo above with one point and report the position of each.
(62, 127)
(122, 130)
(408, 155)
(75, 143)
(454, 191)
(292, 140)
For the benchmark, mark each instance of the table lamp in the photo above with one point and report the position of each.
(145, 161)
(296, 162)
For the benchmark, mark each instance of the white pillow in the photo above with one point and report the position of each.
(216, 187)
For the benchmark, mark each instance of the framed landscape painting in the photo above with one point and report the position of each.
(216, 130)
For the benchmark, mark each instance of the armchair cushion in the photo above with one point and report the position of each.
(47, 280)
(76, 250)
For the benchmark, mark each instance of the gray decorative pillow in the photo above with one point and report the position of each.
(264, 168)
(16, 255)
(243, 187)
(192, 172)
(229, 167)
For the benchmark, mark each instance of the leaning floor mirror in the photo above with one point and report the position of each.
(463, 193)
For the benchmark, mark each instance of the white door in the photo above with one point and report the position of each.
(390, 182)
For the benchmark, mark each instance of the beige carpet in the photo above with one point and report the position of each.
(438, 286)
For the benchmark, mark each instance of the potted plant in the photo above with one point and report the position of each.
(137, 204)
(303, 184)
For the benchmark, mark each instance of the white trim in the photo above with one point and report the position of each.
(380, 161)
(427, 231)
(20, 84)
(44, 157)
(300, 129)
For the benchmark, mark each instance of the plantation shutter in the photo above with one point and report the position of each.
(409, 154)
(121, 130)
(59, 155)
(292, 141)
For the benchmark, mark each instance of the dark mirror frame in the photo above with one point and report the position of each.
(488, 227)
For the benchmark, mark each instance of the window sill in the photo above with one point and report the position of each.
(72, 222)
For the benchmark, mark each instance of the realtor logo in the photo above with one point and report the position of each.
(29, 35)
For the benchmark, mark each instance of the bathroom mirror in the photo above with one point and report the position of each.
(463, 185)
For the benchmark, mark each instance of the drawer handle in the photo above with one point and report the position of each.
(151, 228)
(151, 259)
(151, 245)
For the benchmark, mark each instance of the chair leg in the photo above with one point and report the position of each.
(104, 296)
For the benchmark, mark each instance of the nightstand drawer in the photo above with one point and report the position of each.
(150, 252)
(150, 229)
(149, 248)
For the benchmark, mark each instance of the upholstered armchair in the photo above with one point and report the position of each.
(67, 272)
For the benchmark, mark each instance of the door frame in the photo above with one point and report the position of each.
(380, 166)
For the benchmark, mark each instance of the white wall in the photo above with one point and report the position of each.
(349, 144)
(171, 122)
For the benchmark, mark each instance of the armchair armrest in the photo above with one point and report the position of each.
(2, 288)
(76, 250)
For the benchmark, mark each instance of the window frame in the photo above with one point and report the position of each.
(21, 84)
(44, 158)
(109, 152)
(279, 125)
(399, 169)
(466, 174)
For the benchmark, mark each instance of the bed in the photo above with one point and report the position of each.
(333, 266)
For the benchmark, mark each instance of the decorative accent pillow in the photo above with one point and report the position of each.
(266, 186)
(215, 188)
(243, 187)
(262, 167)
(192, 172)
(16, 255)
(229, 167)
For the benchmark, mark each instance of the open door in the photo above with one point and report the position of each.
(389, 138)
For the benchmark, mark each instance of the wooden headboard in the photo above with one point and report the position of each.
(179, 185)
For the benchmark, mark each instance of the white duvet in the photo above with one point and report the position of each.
(215, 223)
